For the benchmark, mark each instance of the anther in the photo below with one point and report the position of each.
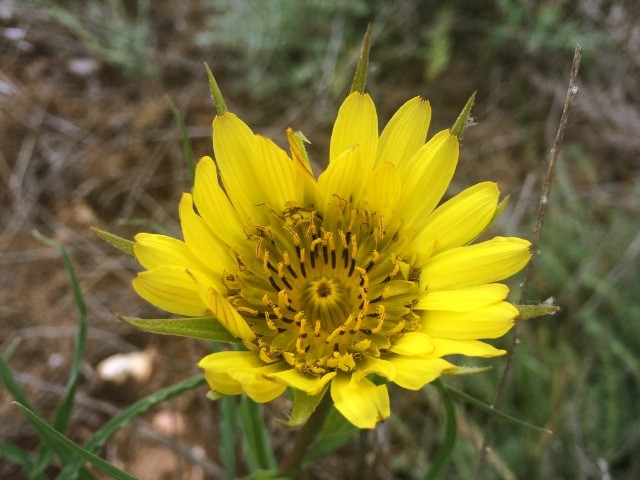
(270, 324)
(301, 255)
(248, 310)
(383, 314)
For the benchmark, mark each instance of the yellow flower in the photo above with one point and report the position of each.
(331, 279)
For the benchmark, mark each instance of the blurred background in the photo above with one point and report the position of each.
(88, 139)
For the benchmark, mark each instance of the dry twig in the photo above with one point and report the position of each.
(542, 210)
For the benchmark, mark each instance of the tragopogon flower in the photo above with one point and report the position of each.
(332, 279)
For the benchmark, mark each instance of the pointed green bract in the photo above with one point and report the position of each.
(205, 328)
(360, 78)
(221, 107)
(533, 311)
(120, 243)
(461, 122)
(303, 406)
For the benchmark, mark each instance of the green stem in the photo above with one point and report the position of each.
(306, 436)
(449, 439)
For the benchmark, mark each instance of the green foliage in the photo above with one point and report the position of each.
(109, 32)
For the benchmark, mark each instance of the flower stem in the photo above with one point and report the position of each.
(305, 437)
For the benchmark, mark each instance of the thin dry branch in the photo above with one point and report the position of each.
(542, 210)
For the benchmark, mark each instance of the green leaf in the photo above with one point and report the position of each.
(258, 451)
(485, 407)
(336, 431)
(303, 406)
(206, 328)
(186, 141)
(120, 243)
(16, 455)
(450, 430)
(122, 419)
(68, 450)
(12, 386)
(532, 311)
(63, 410)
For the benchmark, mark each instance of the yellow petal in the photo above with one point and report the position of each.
(470, 348)
(307, 383)
(426, 177)
(220, 307)
(214, 205)
(463, 299)
(485, 262)
(413, 373)
(357, 124)
(413, 343)
(405, 133)
(237, 156)
(383, 190)
(278, 175)
(363, 404)
(171, 289)
(369, 364)
(201, 240)
(461, 219)
(343, 179)
(487, 322)
(153, 251)
(217, 368)
(256, 383)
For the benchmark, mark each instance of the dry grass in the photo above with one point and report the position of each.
(86, 143)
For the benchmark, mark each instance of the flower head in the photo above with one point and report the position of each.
(328, 280)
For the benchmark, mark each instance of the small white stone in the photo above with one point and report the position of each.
(124, 366)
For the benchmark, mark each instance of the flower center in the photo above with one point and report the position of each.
(322, 289)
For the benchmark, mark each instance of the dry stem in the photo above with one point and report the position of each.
(542, 210)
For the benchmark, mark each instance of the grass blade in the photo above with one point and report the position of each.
(186, 141)
(336, 431)
(228, 425)
(258, 451)
(450, 430)
(12, 386)
(99, 438)
(63, 410)
(485, 407)
(68, 450)
(16, 455)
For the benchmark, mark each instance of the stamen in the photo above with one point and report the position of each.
(383, 314)
(301, 255)
(248, 310)
(287, 262)
(398, 328)
(270, 324)
(274, 284)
